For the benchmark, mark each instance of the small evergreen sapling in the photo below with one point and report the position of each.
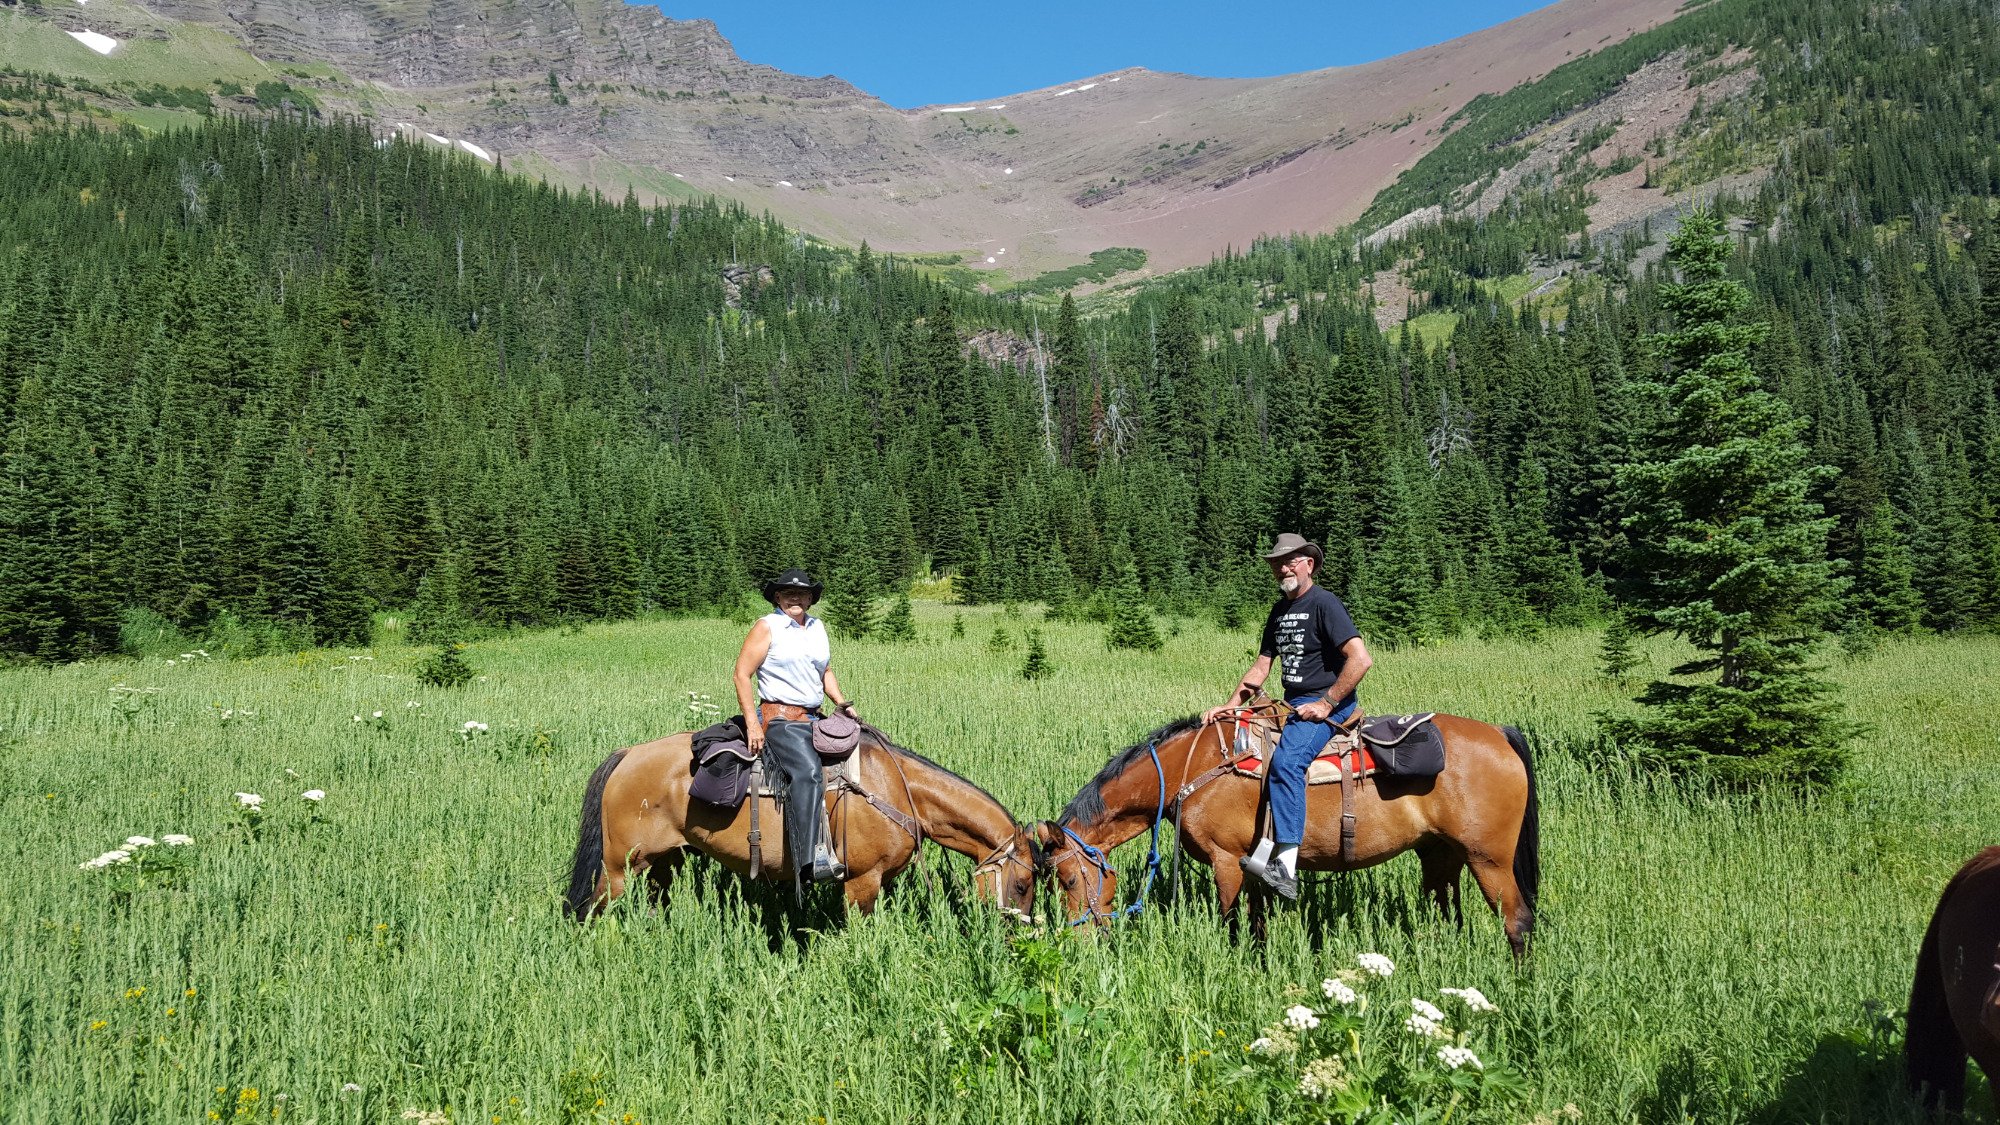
(445, 668)
(1131, 622)
(898, 625)
(1038, 665)
(1618, 655)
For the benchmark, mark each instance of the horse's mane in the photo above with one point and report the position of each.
(1088, 804)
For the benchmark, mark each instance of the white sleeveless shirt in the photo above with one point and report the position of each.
(794, 670)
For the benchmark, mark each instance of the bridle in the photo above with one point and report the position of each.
(995, 864)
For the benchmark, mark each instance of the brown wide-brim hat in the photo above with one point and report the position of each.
(1292, 543)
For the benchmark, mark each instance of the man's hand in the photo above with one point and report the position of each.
(1314, 712)
(848, 710)
(753, 733)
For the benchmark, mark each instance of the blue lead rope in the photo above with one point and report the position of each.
(1152, 850)
(1102, 862)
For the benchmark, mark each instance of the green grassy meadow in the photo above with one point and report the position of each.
(1699, 957)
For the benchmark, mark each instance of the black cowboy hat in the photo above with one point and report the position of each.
(793, 579)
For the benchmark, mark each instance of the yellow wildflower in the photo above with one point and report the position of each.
(98, 1025)
(134, 993)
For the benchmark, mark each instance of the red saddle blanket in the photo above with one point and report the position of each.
(1360, 761)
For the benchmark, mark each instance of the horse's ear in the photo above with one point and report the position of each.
(1042, 833)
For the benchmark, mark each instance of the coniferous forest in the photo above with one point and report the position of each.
(264, 379)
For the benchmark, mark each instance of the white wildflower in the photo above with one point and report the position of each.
(412, 703)
(378, 714)
(1261, 1045)
(1455, 1057)
(1473, 999)
(176, 840)
(1425, 1028)
(1301, 1018)
(474, 727)
(291, 773)
(1323, 1077)
(314, 795)
(228, 714)
(111, 858)
(357, 718)
(249, 800)
(1376, 965)
(140, 841)
(1426, 1009)
(1338, 991)
(350, 1087)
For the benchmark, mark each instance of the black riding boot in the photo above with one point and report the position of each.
(789, 754)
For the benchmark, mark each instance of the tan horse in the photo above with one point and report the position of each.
(1955, 998)
(639, 820)
(1481, 812)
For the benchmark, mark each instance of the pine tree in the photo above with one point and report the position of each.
(1884, 592)
(1038, 665)
(1618, 654)
(845, 608)
(898, 625)
(1728, 550)
(957, 626)
(1131, 619)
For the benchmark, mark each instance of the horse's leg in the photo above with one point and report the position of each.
(863, 888)
(1496, 882)
(1228, 883)
(1443, 863)
(661, 875)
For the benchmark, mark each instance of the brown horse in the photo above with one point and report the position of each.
(1955, 999)
(638, 819)
(1480, 812)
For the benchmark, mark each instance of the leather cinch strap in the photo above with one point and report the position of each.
(756, 803)
(789, 712)
(1346, 759)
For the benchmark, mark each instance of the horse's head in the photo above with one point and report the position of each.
(1007, 877)
(1089, 883)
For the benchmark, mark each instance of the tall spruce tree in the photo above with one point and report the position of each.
(1727, 548)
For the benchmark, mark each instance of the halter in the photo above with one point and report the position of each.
(1263, 711)
(1086, 852)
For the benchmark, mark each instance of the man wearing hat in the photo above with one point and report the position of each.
(790, 659)
(1324, 660)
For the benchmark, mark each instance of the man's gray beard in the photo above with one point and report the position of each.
(1289, 584)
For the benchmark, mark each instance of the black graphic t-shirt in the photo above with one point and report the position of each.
(1307, 633)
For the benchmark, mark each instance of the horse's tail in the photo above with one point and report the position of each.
(1528, 848)
(1933, 1054)
(589, 860)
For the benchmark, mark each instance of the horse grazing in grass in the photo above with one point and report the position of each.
(1955, 999)
(1481, 812)
(639, 820)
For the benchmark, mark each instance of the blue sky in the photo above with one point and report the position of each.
(911, 54)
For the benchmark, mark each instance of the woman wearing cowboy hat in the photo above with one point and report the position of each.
(788, 655)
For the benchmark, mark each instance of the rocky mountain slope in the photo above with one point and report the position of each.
(600, 93)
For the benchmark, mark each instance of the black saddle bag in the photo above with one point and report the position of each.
(722, 761)
(1405, 745)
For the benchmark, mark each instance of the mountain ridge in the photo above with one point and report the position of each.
(605, 95)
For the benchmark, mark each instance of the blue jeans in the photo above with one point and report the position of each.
(1298, 745)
